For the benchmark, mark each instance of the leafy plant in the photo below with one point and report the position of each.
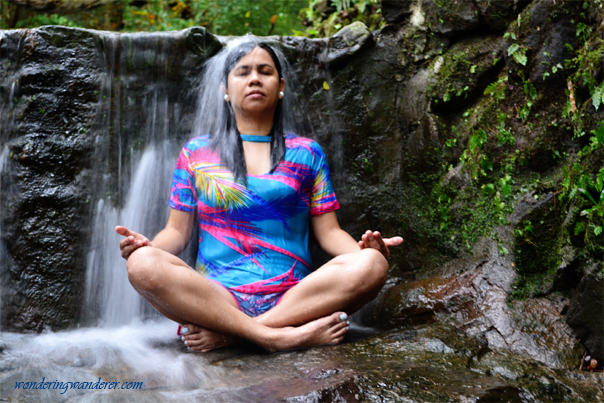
(322, 21)
(516, 51)
(497, 89)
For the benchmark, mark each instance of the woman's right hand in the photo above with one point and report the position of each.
(132, 242)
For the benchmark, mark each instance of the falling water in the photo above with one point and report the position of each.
(4, 158)
(140, 199)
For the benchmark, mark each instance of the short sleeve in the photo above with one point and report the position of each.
(322, 197)
(183, 195)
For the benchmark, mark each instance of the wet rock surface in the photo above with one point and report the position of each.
(432, 362)
(477, 302)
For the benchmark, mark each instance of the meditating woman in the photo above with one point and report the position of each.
(254, 191)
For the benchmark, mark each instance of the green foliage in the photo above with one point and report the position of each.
(504, 136)
(39, 20)
(587, 62)
(589, 188)
(531, 94)
(326, 17)
(516, 51)
(497, 89)
(221, 17)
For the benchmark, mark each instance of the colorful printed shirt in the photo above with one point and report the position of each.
(254, 239)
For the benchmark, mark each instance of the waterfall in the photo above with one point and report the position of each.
(107, 280)
(135, 190)
(4, 157)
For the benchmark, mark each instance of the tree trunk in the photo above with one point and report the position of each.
(10, 14)
(61, 6)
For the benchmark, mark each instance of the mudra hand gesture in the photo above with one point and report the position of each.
(374, 240)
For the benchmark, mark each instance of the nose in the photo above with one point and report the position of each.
(254, 77)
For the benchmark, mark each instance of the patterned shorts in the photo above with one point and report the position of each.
(256, 304)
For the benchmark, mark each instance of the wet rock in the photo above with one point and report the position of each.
(395, 10)
(569, 272)
(477, 302)
(585, 312)
(202, 43)
(457, 178)
(499, 14)
(427, 363)
(451, 17)
(346, 43)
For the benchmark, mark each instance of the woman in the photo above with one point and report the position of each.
(254, 191)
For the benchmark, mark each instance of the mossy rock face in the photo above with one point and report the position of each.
(462, 74)
(451, 17)
(538, 219)
(499, 14)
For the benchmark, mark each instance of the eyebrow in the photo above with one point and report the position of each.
(245, 66)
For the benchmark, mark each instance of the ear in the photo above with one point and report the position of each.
(282, 85)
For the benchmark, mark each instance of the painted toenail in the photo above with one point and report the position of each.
(184, 330)
(182, 338)
(347, 323)
(343, 316)
(188, 348)
(186, 343)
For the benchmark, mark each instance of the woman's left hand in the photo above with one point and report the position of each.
(374, 240)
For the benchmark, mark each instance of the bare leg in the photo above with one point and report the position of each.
(202, 339)
(183, 295)
(346, 283)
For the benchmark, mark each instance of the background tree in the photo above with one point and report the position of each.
(222, 17)
(311, 18)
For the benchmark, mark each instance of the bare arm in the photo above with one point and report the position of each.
(172, 239)
(336, 241)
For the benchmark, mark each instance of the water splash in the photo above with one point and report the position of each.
(141, 352)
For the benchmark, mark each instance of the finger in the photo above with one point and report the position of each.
(142, 242)
(394, 241)
(126, 241)
(380, 241)
(366, 241)
(361, 245)
(373, 242)
(124, 231)
(127, 251)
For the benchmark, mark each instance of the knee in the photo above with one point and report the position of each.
(378, 264)
(373, 268)
(140, 266)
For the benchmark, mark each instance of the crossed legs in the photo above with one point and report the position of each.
(315, 305)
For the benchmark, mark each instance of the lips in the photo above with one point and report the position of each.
(255, 94)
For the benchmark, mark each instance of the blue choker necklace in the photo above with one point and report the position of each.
(256, 139)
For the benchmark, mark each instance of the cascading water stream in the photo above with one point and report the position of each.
(139, 201)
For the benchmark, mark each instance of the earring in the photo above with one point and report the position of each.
(226, 97)
(281, 94)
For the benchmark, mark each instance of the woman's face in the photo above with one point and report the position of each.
(254, 85)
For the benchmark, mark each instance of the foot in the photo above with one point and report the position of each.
(327, 330)
(201, 339)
